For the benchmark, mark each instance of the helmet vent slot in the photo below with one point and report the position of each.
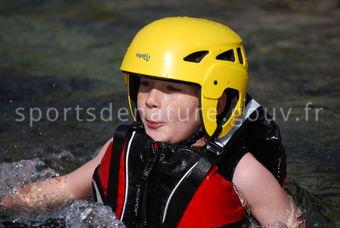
(240, 58)
(227, 56)
(196, 57)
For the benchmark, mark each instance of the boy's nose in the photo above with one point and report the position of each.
(153, 99)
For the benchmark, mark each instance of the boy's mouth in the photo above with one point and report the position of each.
(153, 124)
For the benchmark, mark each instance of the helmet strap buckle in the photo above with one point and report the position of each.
(214, 148)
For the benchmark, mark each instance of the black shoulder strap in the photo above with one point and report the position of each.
(121, 133)
(213, 152)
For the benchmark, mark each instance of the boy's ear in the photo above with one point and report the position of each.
(221, 103)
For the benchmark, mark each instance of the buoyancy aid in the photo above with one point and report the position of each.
(141, 179)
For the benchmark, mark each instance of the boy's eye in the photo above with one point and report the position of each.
(144, 83)
(173, 89)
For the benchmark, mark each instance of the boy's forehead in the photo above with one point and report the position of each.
(148, 77)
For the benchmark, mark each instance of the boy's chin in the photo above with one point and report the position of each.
(158, 136)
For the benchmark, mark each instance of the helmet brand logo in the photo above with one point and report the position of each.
(144, 56)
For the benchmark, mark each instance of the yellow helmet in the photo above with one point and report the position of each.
(197, 51)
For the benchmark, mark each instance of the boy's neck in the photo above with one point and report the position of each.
(200, 142)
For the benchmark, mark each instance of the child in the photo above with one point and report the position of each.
(201, 151)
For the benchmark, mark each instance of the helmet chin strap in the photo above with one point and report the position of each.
(217, 132)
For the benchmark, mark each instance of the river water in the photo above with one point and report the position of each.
(61, 89)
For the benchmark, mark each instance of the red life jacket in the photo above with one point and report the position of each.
(144, 182)
(214, 204)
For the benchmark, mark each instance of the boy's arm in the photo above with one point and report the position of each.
(264, 196)
(53, 191)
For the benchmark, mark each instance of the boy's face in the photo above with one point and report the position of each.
(168, 110)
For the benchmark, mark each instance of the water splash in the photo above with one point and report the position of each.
(78, 213)
(14, 176)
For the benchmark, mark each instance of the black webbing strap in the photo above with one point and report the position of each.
(186, 190)
(97, 190)
(119, 142)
